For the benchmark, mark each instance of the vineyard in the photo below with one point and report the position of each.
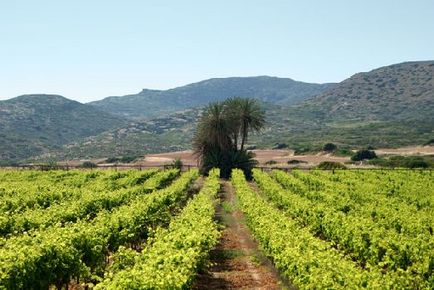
(155, 229)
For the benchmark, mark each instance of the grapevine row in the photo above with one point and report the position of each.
(58, 254)
(176, 253)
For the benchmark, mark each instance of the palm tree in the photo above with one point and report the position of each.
(219, 130)
(213, 130)
(251, 118)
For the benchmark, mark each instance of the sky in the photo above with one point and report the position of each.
(90, 49)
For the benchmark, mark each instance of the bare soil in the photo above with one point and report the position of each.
(236, 263)
(410, 150)
(262, 156)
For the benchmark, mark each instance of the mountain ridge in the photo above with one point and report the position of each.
(32, 124)
(386, 107)
(153, 103)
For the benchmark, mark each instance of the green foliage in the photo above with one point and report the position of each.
(306, 261)
(280, 146)
(175, 254)
(330, 165)
(222, 133)
(55, 254)
(177, 163)
(295, 161)
(343, 152)
(393, 245)
(403, 161)
(329, 147)
(363, 155)
(123, 159)
(429, 142)
(227, 160)
(88, 164)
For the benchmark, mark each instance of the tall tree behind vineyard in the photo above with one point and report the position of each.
(222, 133)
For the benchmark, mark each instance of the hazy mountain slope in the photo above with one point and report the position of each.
(398, 92)
(31, 124)
(387, 107)
(153, 103)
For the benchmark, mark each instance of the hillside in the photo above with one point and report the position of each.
(33, 124)
(402, 91)
(154, 103)
(387, 107)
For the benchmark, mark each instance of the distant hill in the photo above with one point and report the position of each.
(154, 103)
(33, 124)
(387, 107)
(397, 92)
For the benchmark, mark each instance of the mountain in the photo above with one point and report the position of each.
(397, 92)
(387, 107)
(33, 124)
(154, 103)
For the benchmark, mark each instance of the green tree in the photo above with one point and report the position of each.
(246, 115)
(222, 126)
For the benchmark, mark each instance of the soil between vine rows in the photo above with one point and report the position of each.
(236, 262)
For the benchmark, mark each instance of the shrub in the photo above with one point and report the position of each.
(401, 161)
(271, 162)
(112, 160)
(330, 165)
(329, 147)
(363, 154)
(430, 142)
(123, 159)
(177, 164)
(88, 164)
(280, 146)
(295, 161)
(344, 152)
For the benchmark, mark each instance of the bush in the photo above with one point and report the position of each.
(430, 142)
(123, 159)
(271, 162)
(112, 160)
(295, 161)
(401, 161)
(88, 164)
(280, 146)
(329, 147)
(363, 154)
(344, 152)
(330, 165)
(177, 164)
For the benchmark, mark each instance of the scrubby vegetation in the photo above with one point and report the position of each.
(404, 162)
(363, 155)
(330, 165)
(329, 147)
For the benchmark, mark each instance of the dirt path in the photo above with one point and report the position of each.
(236, 262)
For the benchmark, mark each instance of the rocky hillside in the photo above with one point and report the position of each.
(402, 91)
(154, 103)
(33, 124)
(387, 107)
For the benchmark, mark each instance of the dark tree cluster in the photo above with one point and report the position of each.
(222, 134)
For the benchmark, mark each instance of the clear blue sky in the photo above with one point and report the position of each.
(90, 49)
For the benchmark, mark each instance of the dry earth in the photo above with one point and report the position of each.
(236, 262)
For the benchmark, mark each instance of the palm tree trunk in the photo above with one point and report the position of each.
(244, 136)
